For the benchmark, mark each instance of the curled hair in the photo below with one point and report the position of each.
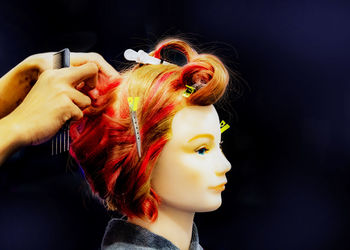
(103, 141)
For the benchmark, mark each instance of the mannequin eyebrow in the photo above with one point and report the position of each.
(210, 136)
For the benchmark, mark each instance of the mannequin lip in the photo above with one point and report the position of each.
(219, 188)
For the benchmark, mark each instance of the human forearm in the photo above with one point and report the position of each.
(10, 137)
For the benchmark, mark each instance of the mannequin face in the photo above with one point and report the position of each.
(191, 167)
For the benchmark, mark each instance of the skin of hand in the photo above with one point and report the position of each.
(15, 85)
(57, 96)
(52, 101)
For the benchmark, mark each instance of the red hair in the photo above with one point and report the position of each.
(103, 141)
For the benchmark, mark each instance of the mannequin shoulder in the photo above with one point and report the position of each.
(123, 245)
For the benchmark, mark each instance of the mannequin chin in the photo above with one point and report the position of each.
(191, 166)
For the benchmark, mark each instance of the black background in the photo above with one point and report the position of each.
(289, 137)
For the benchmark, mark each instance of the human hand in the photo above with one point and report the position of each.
(16, 84)
(52, 101)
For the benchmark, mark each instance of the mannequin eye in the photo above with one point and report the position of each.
(201, 151)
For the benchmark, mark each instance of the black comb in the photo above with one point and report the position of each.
(60, 142)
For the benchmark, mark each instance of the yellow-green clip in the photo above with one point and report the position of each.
(189, 90)
(223, 126)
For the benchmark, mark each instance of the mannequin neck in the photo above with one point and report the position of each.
(172, 223)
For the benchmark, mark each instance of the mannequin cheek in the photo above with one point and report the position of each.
(195, 169)
(195, 176)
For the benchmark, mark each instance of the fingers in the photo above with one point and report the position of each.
(76, 113)
(80, 86)
(76, 81)
(75, 75)
(45, 61)
(69, 107)
(71, 83)
(82, 58)
(81, 100)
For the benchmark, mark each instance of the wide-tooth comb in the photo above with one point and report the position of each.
(61, 59)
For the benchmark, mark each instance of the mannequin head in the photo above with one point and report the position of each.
(104, 145)
(191, 166)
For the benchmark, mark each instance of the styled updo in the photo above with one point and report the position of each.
(103, 141)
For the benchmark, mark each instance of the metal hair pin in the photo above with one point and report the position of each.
(133, 103)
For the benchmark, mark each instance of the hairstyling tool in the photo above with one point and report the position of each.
(133, 103)
(60, 142)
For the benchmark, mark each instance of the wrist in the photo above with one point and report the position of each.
(11, 138)
(13, 130)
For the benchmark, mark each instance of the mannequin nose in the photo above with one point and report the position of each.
(224, 166)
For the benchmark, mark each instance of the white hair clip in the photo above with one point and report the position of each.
(143, 57)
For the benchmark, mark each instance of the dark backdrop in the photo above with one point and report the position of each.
(289, 138)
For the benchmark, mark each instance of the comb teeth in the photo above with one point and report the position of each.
(60, 142)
